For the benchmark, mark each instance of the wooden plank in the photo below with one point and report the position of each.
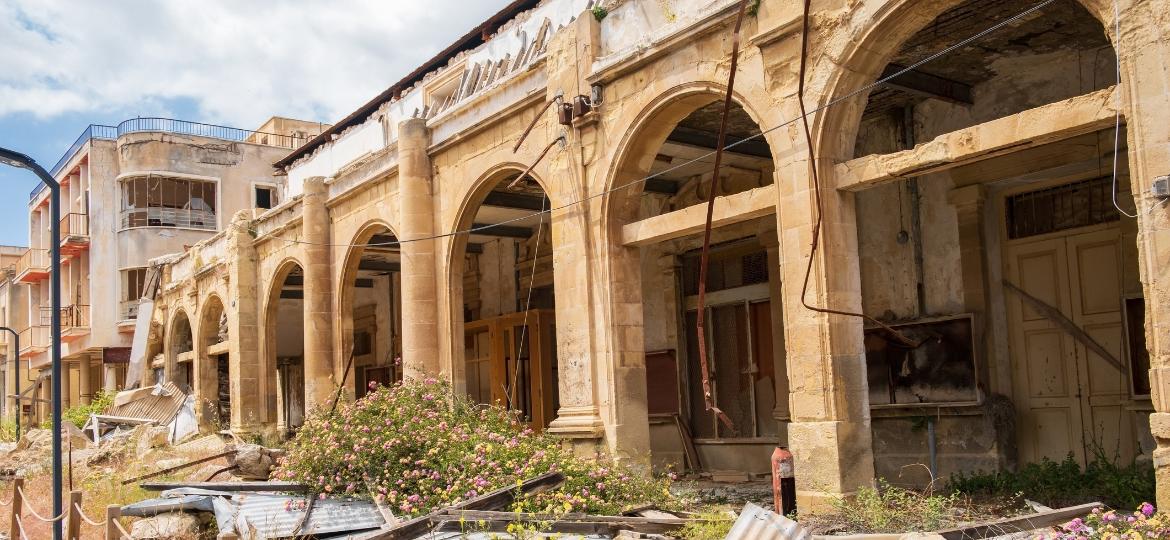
(494, 500)
(179, 467)
(1059, 319)
(283, 487)
(1029, 522)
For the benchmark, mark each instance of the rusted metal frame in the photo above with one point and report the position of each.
(704, 258)
(535, 119)
(816, 185)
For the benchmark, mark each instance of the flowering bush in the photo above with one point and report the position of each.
(416, 446)
(1110, 525)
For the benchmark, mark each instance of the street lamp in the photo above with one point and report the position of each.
(16, 376)
(21, 161)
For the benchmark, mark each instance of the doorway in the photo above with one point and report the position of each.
(1065, 281)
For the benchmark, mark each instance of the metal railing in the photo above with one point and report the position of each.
(75, 316)
(170, 125)
(74, 224)
(33, 259)
(128, 309)
(168, 217)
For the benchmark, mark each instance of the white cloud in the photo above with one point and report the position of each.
(238, 62)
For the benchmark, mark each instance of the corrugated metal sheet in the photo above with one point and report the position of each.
(160, 406)
(277, 516)
(756, 523)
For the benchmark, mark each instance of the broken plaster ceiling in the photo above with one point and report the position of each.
(1062, 25)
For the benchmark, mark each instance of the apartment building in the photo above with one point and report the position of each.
(130, 193)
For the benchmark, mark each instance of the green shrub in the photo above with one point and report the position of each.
(599, 13)
(1064, 483)
(79, 414)
(891, 509)
(708, 525)
(416, 446)
(7, 430)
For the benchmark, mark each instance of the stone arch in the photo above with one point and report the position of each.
(884, 29)
(179, 341)
(280, 390)
(207, 389)
(345, 299)
(464, 217)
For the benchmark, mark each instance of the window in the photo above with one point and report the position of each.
(736, 264)
(941, 369)
(133, 288)
(154, 201)
(1059, 208)
(266, 197)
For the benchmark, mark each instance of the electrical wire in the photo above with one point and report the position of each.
(832, 103)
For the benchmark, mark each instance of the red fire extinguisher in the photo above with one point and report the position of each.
(783, 481)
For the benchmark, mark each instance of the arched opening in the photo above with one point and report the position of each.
(371, 311)
(1014, 268)
(506, 298)
(656, 248)
(181, 354)
(213, 385)
(285, 346)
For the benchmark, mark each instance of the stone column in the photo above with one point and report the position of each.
(66, 384)
(319, 380)
(829, 434)
(1145, 58)
(243, 327)
(84, 378)
(45, 396)
(420, 339)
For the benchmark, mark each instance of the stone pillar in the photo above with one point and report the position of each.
(420, 329)
(319, 380)
(44, 399)
(66, 385)
(84, 380)
(243, 328)
(829, 434)
(1145, 58)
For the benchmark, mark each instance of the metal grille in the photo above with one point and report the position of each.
(1059, 208)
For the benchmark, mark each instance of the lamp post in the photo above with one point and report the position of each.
(21, 161)
(16, 375)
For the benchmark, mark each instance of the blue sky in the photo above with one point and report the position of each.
(65, 65)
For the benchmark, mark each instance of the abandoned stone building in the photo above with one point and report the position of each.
(999, 206)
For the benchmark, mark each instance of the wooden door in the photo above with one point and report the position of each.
(1068, 399)
(511, 360)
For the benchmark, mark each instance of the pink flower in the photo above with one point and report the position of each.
(1147, 509)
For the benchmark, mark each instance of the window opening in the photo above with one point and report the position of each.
(1069, 206)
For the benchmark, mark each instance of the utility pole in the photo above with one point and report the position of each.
(21, 161)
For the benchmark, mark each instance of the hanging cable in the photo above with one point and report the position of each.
(705, 255)
(816, 182)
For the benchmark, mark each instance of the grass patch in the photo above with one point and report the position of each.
(709, 524)
(78, 415)
(891, 509)
(1065, 483)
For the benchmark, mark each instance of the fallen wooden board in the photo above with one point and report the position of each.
(179, 467)
(494, 500)
(1029, 522)
(487, 521)
(283, 487)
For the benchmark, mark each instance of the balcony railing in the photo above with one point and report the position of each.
(168, 125)
(75, 316)
(33, 262)
(34, 338)
(74, 224)
(168, 217)
(128, 309)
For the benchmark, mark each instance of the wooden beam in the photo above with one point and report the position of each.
(729, 209)
(517, 201)
(927, 85)
(506, 231)
(374, 265)
(756, 147)
(1027, 129)
(660, 185)
(474, 248)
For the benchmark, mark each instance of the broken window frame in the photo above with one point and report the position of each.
(976, 365)
(159, 201)
(133, 284)
(273, 195)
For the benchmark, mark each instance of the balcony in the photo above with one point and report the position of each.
(74, 320)
(74, 233)
(34, 340)
(128, 310)
(33, 266)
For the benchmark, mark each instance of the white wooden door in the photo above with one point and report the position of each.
(1068, 398)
